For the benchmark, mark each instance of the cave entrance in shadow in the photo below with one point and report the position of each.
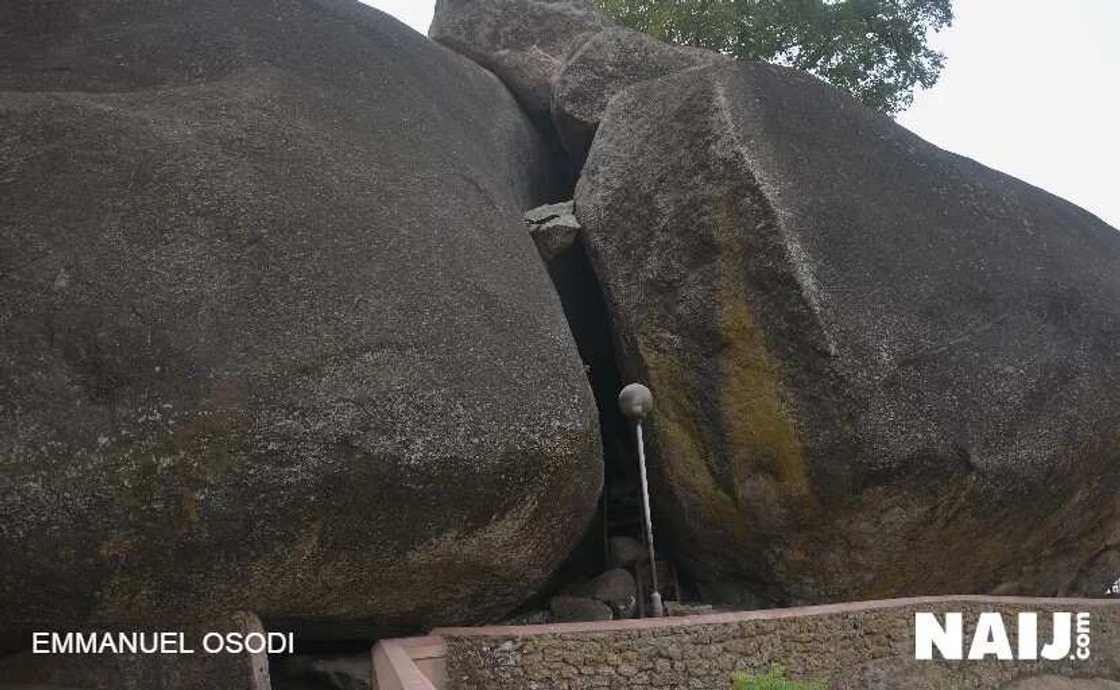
(558, 237)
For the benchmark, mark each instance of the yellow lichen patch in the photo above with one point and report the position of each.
(727, 439)
(684, 448)
(759, 435)
(744, 472)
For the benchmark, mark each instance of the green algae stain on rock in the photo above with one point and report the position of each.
(685, 455)
(760, 437)
(751, 476)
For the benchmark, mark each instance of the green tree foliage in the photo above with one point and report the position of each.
(877, 50)
(775, 679)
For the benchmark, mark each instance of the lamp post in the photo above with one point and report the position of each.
(636, 401)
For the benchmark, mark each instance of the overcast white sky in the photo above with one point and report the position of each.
(1032, 88)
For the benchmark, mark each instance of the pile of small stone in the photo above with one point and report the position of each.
(613, 595)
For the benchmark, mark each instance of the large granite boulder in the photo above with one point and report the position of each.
(880, 368)
(274, 336)
(563, 59)
(603, 65)
(522, 41)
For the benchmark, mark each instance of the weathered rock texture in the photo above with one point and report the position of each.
(522, 41)
(1058, 683)
(625, 552)
(616, 588)
(554, 230)
(274, 336)
(867, 646)
(563, 59)
(603, 65)
(570, 609)
(880, 368)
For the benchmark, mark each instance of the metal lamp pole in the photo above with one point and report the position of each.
(636, 401)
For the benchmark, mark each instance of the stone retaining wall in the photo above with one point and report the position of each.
(861, 646)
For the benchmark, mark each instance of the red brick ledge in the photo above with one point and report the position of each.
(395, 664)
(934, 602)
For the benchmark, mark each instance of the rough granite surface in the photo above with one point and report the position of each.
(880, 369)
(273, 334)
(522, 41)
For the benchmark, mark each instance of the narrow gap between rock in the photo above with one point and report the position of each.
(558, 237)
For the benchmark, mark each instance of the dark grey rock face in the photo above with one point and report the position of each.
(522, 41)
(880, 368)
(566, 609)
(1059, 683)
(603, 65)
(626, 551)
(274, 335)
(617, 589)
